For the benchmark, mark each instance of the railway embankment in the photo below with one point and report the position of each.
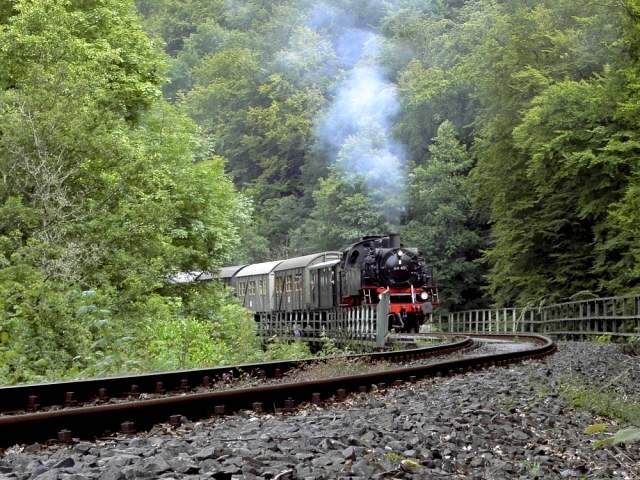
(527, 420)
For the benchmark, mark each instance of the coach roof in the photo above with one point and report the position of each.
(257, 269)
(328, 263)
(307, 260)
(228, 272)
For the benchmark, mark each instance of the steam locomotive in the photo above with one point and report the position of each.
(358, 275)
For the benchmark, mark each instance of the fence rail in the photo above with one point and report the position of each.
(368, 324)
(365, 324)
(616, 316)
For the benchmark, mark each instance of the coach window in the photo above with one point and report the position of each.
(279, 284)
(261, 287)
(288, 282)
(252, 288)
(298, 282)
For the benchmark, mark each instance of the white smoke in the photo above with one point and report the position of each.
(358, 125)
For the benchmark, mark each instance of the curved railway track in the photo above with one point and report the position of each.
(65, 410)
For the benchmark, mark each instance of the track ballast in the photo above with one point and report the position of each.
(86, 416)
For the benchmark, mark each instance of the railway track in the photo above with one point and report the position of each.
(84, 409)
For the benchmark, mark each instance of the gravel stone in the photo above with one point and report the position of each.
(183, 464)
(111, 473)
(65, 463)
(48, 475)
(205, 453)
(495, 423)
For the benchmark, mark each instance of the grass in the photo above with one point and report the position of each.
(336, 367)
(596, 428)
(393, 457)
(607, 403)
(532, 468)
(604, 402)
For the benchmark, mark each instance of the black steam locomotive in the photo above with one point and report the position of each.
(377, 264)
(358, 275)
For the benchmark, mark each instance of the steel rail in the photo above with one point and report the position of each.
(91, 421)
(17, 398)
(44, 425)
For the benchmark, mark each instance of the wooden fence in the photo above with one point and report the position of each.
(366, 324)
(615, 316)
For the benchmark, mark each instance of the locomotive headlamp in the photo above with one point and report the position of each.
(424, 295)
(400, 253)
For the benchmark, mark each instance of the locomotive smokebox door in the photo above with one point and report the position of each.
(427, 308)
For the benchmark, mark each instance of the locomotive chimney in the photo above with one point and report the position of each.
(394, 240)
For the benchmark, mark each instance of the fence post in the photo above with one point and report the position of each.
(531, 325)
(382, 320)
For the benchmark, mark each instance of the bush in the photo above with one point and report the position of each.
(278, 349)
(55, 333)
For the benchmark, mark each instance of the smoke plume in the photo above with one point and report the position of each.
(357, 128)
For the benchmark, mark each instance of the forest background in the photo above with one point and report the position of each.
(142, 139)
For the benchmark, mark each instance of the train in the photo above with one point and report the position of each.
(357, 275)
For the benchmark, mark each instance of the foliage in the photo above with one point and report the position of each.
(278, 349)
(565, 157)
(603, 339)
(106, 190)
(596, 428)
(410, 465)
(538, 153)
(393, 457)
(522, 170)
(441, 221)
(602, 402)
(257, 77)
(532, 468)
(261, 125)
(606, 403)
(536, 89)
(330, 347)
(625, 436)
(337, 198)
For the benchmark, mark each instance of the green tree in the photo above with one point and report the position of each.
(441, 222)
(542, 93)
(369, 157)
(105, 192)
(343, 212)
(533, 52)
(264, 127)
(570, 160)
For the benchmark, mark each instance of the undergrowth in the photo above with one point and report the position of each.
(606, 402)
